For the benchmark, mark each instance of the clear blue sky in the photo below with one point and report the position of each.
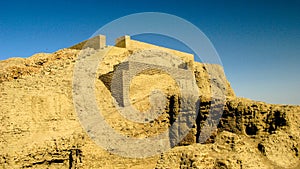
(258, 41)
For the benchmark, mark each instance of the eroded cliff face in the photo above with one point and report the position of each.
(40, 128)
(250, 135)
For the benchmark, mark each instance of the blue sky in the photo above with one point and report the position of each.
(257, 41)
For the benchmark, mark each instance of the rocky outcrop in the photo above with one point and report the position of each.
(40, 129)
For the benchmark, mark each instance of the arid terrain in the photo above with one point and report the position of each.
(40, 128)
